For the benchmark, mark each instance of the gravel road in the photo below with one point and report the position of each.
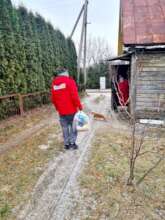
(53, 197)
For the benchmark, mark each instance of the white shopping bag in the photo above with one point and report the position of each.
(81, 121)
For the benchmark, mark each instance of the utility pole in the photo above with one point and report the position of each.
(77, 21)
(83, 42)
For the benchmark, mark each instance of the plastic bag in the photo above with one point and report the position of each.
(81, 121)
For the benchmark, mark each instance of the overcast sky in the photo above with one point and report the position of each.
(103, 16)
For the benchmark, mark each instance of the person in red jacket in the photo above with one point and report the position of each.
(67, 102)
(123, 87)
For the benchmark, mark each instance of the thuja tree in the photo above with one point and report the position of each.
(72, 58)
(8, 59)
(30, 51)
(95, 72)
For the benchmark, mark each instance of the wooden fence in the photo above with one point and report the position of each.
(20, 105)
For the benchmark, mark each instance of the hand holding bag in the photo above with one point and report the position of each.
(81, 121)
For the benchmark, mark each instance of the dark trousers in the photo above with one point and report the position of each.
(68, 128)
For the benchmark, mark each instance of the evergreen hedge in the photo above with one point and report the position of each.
(30, 51)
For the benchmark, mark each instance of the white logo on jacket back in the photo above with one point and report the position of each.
(59, 87)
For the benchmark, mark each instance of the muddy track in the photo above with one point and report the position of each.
(24, 135)
(52, 198)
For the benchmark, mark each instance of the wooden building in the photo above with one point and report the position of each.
(142, 56)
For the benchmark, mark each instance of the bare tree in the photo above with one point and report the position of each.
(137, 147)
(98, 50)
(138, 142)
(135, 151)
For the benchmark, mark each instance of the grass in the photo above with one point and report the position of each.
(11, 127)
(21, 167)
(103, 182)
(83, 94)
(99, 98)
(4, 211)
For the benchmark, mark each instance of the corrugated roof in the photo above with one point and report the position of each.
(143, 21)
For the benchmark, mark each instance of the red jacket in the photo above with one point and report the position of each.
(124, 91)
(65, 95)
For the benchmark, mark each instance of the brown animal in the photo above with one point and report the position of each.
(98, 116)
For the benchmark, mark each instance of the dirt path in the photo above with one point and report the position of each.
(22, 136)
(53, 196)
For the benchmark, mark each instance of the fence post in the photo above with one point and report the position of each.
(21, 104)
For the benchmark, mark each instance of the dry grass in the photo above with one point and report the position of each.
(21, 167)
(103, 183)
(99, 98)
(11, 127)
(83, 94)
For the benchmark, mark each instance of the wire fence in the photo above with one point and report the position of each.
(18, 104)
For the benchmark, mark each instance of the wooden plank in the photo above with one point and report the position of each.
(150, 82)
(149, 108)
(152, 69)
(150, 104)
(150, 60)
(151, 92)
(21, 105)
(153, 63)
(152, 57)
(153, 74)
(149, 115)
(151, 87)
(150, 78)
(34, 94)
(150, 100)
(142, 108)
(8, 96)
(157, 88)
(141, 82)
(151, 96)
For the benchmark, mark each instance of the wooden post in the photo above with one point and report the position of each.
(80, 50)
(21, 104)
(85, 43)
(133, 86)
(77, 21)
